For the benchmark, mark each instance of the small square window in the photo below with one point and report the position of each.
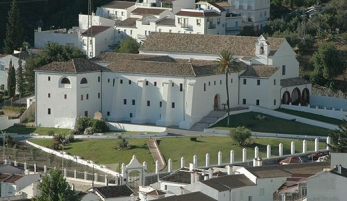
(181, 87)
(124, 101)
(65, 96)
(86, 113)
(133, 101)
(214, 82)
(49, 95)
(209, 83)
(220, 82)
(113, 82)
(155, 83)
(129, 81)
(173, 84)
(284, 70)
(98, 78)
(87, 96)
(173, 104)
(131, 115)
(82, 97)
(204, 86)
(160, 104)
(258, 82)
(231, 80)
(274, 81)
(148, 103)
(274, 101)
(108, 80)
(244, 101)
(49, 111)
(99, 95)
(108, 113)
(49, 78)
(121, 81)
(257, 102)
(244, 81)
(146, 83)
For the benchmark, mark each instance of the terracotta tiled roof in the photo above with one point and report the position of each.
(197, 14)
(95, 30)
(188, 197)
(178, 177)
(77, 65)
(261, 71)
(223, 4)
(13, 178)
(287, 170)
(129, 22)
(204, 44)
(166, 21)
(112, 57)
(147, 11)
(294, 82)
(119, 4)
(114, 191)
(225, 183)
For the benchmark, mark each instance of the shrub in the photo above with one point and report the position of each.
(241, 135)
(83, 123)
(50, 133)
(123, 144)
(99, 126)
(74, 131)
(194, 139)
(88, 131)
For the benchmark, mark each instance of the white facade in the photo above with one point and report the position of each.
(60, 36)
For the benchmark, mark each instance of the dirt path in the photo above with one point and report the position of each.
(156, 154)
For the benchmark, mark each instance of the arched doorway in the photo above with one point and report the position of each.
(134, 178)
(216, 102)
(286, 98)
(305, 97)
(296, 96)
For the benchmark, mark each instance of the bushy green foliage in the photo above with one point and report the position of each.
(50, 133)
(14, 109)
(13, 39)
(241, 135)
(339, 138)
(129, 45)
(54, 187)
(97, 126)
(11, 81)
(123, 143)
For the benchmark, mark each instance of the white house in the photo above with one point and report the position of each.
(172, 81)
(5, 64)
(15, 186)
(110, 193)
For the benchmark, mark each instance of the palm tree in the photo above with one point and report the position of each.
(226, 65)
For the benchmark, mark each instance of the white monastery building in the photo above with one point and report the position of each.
(171, 81)
(115, 21)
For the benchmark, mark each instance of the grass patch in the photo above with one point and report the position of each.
(21, 129)
(272, 125)
(104, 152)
(312, 116)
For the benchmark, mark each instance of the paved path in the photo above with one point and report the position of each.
(156, 154)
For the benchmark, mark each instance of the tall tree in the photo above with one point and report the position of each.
(20, 78)
(11, 80)
(54, 187)
(129, 45)
(52, 52)
(226, 65)
(13, 30)
(339, 138)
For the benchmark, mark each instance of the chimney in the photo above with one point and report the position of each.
(192, 174)
(229, 170)
(210, 173)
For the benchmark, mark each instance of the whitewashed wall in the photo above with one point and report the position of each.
(336, 114)
(329, 102)
(5, 122)
(132, 127)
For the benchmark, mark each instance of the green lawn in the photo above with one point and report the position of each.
(312, 116)
(103, 152)
(271, 124)
(33, 129)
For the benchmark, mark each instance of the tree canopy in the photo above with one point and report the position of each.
(11, 80)
(240, 135)
(129, 45)
(54, 187)
(339, 138)
(13, 39)
(52, 52)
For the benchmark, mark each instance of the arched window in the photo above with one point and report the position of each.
(261, 48)
(84, 81)
(65, 81)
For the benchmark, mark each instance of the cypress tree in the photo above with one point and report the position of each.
(11, 81)
(20, 78)
(13, 30)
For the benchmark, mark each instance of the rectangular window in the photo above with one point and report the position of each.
(244, 81)
(122, 13)
(49, 78)
(160, 104)
(49, 111)
(198, 22)
(133, 101)
(146, 83)
(204, 86)
(65, 96)
(129, 82)
(257, 102)
(209, 83)
(244, 101)
(214, 82)
(220, 82)
(124, 101)
(86, 113)
(231, 80)
(121, 81)
(284, 70)
(49, 95)
(258, 82)
(172, 84)
(98, 78)
(131, 115)
(113, 82)
(108, 113)
(274, 101)
(181, 87)
(262, 191)
(99, 95)
(155, 83)
(249, 198)
(173, 104)
(148, 103)
(87, 96)
(82, 97)
(108, 80)
(274, 81)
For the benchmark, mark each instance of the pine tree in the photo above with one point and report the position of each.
(20, 78)
(13, 30)
(11, 81)
(54, 187)
(339, 138)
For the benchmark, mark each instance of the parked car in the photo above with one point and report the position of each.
(316, 155)
(295, 159)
